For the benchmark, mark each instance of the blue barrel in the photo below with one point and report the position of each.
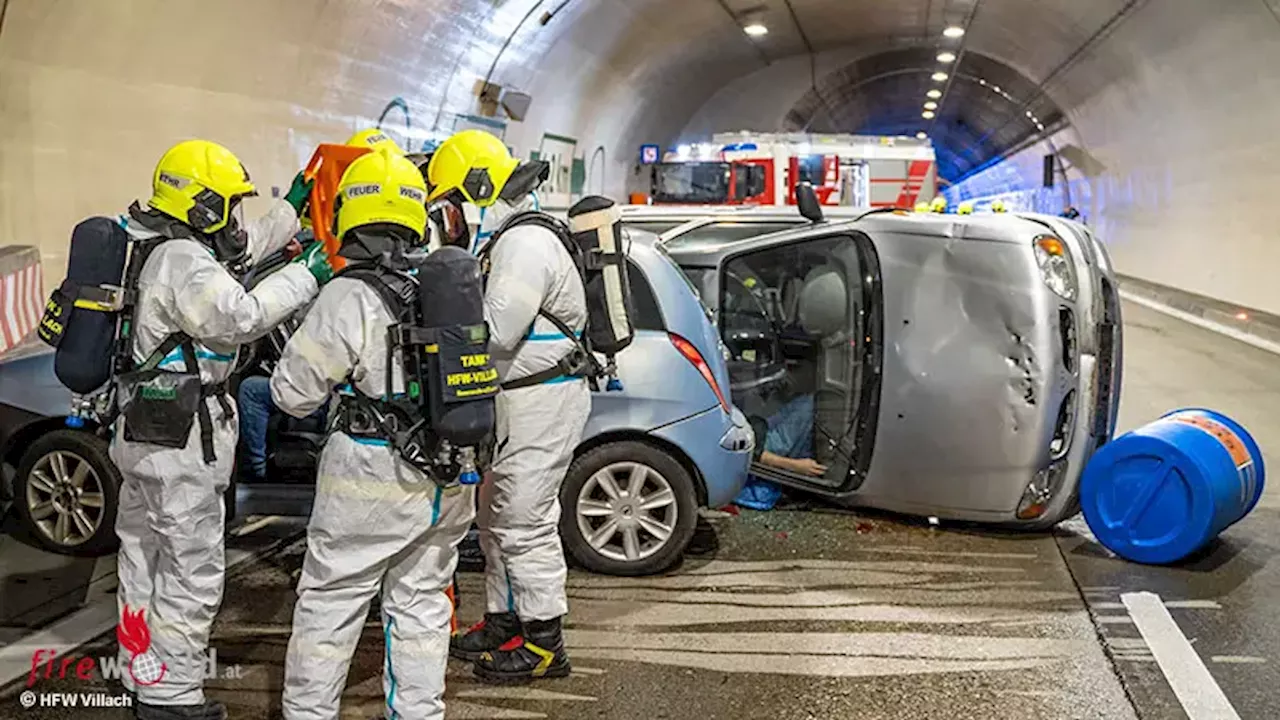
(1159, 493)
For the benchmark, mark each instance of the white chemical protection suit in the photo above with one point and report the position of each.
(171, 514)
(538, 427)
(378, 526)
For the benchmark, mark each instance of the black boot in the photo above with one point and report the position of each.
(209, 710)
(538, 654)
(491, 633)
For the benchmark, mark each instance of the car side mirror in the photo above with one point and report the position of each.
(807, 199)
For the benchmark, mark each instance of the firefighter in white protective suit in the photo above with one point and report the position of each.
(379, 525)
(541, 411)
(190, 305)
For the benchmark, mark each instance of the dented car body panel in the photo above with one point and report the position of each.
(987, 378)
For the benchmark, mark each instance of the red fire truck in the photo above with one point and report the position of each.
(763, 168)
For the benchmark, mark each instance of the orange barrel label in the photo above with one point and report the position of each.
(1245, 468)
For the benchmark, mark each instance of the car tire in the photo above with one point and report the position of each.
(58, 457)
(588, 481)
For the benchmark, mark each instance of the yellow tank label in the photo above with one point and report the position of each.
(1232, 442)
(471, 378)
(475, 360)
(53, 326)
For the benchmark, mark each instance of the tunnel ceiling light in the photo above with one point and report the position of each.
(927, 114)
(922, 135)
(931, 105)
(954, 31)
(939, 77)
(946, 57)
(755, 29)
(934, 94)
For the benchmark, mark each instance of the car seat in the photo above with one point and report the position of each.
(823, 309)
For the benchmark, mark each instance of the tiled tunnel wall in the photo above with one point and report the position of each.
(1175, 105)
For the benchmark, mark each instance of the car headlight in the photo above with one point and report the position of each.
(1056, 268)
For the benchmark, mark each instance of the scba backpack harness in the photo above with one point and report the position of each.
(593, 239)
(89, 320)
(443, 424)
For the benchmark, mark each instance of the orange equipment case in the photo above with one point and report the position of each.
(326, 167)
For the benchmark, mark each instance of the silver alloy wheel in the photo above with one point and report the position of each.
(64, 498)
(627, 511)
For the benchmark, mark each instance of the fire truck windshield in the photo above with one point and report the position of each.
(691, 182)
(810, 169)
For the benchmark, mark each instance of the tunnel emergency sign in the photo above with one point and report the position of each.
(649, 154)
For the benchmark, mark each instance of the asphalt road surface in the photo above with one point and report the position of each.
(832, 614)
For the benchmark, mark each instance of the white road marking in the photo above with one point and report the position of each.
(978, 598)
(1200, 322)
(255, 525)
(460, 710)
(523, 693)
(906, 550)
(822, 654)
(1113, 620)
(722, 567)
(618, 613)
(1193, 605)
(587, 670)
(1241, 659)
(1199, 694)
(1171, 604)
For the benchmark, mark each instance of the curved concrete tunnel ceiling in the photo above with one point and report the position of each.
(92, 91)
(981, 114)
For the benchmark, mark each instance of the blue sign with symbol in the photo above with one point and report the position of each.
(649, 154)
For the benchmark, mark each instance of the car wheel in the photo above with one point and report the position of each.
(66, 493)
(629, 508)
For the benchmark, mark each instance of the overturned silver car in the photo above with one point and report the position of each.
(964, 367)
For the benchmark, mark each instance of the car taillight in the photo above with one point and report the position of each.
(691, 354)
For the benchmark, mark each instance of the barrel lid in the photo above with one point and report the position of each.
(1146, 500)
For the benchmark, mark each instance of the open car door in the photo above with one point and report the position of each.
(802, 324)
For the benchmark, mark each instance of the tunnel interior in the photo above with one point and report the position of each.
(980, 109)
(1156, 112)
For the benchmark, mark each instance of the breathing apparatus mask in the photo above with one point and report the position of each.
(450, 221)
(448, 215)
(386, 244)
(230, 243)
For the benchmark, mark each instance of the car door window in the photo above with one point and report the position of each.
(791, 317)
(647, 316)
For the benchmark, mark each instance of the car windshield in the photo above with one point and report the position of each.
(657, 227)
(691, 182)
(722, 232)
(810, 170)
